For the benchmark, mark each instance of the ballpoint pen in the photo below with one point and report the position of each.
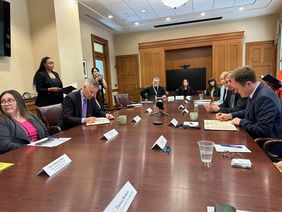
(233, 146)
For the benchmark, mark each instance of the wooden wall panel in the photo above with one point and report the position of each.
(261, 56)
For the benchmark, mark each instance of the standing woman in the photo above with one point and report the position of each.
(102, 86)
(48, 84)
(18, 127)
(213, 90)
(185, 89)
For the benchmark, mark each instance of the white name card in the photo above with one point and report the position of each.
(149, 110)
(181, 107)
(160, 142)
(123, 199)
(55, 166)
(136, 119)
(184, 111)
(174, 122)
(170, 98)
(112, 133)
(179, 97)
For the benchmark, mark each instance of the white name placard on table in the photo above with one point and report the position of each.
(123, 199)
(161, 142)
(55, 166)
(149, 110)
(185, 111)
(179, 97)
(170, 98)
(136, 119)
(181, 107)
(110, 134)
(173, 122)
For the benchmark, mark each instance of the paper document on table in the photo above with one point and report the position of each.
(212, 209)
(203, 101)
(100, 120)
(4, 165)
(219, 125)
(231, 148)
(49, 142)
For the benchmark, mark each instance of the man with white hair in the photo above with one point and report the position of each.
(81, 106)
(154, 91)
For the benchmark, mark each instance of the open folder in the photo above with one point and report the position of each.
(271, 80)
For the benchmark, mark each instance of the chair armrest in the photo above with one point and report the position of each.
(266, 147)
(53, 130)
(261, 141)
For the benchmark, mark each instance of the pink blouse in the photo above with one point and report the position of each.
(30, 130)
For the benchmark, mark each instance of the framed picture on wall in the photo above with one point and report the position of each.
(85, 73)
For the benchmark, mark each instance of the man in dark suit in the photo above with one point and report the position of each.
(263, 114)
(81, 106)
(153, 91)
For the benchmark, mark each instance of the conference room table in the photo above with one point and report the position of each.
(178, 181)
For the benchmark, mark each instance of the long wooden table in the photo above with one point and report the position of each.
(175, 182)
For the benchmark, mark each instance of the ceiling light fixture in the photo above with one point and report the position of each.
(136, 23)
(143, 10)
(168, 19)
(241, 8)
(203, 14)
(173, 3)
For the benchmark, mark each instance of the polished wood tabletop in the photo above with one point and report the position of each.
(175, 182)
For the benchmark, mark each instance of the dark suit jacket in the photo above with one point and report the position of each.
(216, 92)
(13, 136)
(180, 91)
(239, 104)
(72, 108)
(263, 114)
(43, 82)
(149, 92)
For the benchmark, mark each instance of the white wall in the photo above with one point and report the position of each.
(16, 72)
(256, 29)
(87, 29)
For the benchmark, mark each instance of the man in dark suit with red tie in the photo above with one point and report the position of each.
(263, 114)
(81, 106)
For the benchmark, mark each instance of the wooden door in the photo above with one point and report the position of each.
(128, 76)
(261, 56)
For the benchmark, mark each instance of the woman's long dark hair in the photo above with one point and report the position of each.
(188, 84)
(40, 69)
(20, 103)
(215, 83)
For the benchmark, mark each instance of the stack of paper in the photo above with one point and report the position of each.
(49, 142)
(231, 148)
(100, 120)
(219, 125)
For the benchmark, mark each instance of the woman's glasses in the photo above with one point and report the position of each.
(7, 102)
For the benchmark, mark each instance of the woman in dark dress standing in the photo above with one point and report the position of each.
(102, 86)
(48, 84)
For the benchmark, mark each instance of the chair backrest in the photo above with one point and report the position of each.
(50, 114)
(122, 100)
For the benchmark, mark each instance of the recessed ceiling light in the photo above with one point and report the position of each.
(168, 19)
(136, 23)
(203, 14)
(241, 8)
(110, 16)
(143, 10)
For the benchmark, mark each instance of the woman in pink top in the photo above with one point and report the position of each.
(19, 127)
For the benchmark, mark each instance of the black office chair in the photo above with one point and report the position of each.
(50, 116)
(270, 144)
(122, 100)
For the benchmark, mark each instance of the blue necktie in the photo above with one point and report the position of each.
(84, 108)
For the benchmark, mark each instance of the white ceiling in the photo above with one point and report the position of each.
(126, 12)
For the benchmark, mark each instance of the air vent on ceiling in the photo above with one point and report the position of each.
(188, 22)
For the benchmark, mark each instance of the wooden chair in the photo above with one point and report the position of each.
(50, 116)
(122, 100)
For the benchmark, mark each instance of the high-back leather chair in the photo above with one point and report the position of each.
(50, 116)
(122, 100)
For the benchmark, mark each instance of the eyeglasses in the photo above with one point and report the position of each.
(232, 155)
(7, 102)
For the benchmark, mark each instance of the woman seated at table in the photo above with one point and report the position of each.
(19, 127)
(213, 90)
(185, 89)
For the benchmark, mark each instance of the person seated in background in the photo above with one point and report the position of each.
(233, 101)
(48, 84)
(154, 91)
(213, 90)
(262, 117)
(18, 126)
(223, 89)
(81, 107)
(185, 89)
(102, 86)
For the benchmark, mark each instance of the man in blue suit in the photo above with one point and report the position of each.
(262, 116)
